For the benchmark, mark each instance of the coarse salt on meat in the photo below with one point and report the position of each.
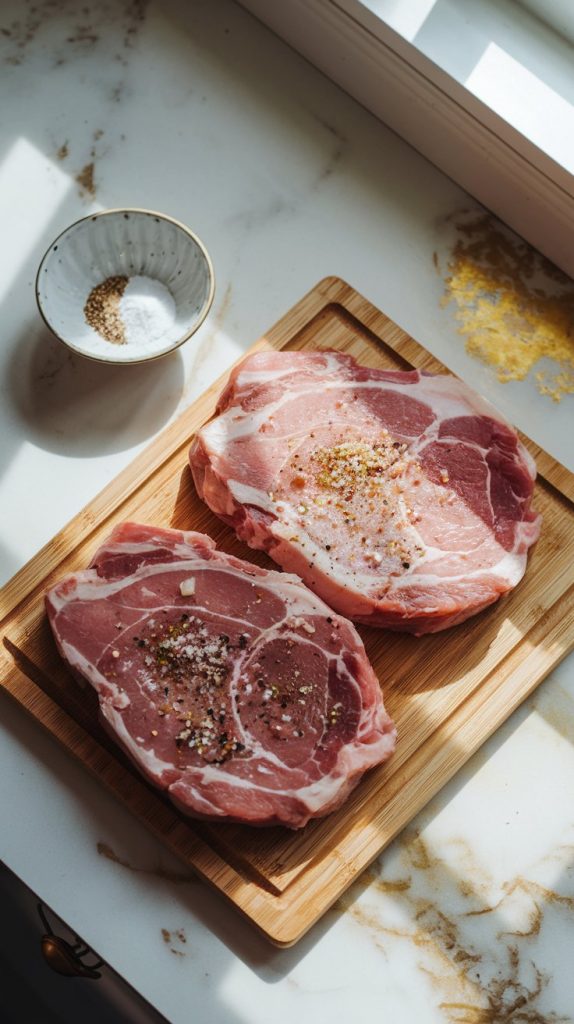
(247, 700)
(402, 498)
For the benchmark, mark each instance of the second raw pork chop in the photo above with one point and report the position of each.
(233, 689)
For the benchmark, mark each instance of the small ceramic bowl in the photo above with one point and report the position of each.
(126, 244)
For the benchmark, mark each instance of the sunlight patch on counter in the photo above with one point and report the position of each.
(32, 188)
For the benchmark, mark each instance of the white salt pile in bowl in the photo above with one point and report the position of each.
(136, 311)
(124, 286)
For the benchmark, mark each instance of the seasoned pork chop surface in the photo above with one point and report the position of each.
(403, 499)
(234, 689)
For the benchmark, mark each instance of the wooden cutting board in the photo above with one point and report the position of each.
(447, 693)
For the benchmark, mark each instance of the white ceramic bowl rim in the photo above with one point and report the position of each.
(151, 213)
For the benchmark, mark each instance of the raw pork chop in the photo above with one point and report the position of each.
(232, 688)
(401, 498)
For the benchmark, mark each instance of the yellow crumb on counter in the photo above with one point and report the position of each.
(512, 305)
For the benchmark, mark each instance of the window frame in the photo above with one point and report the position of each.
(498, 165)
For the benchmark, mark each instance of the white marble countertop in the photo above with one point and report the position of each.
(196, 110)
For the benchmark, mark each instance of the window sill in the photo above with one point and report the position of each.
(442, 117)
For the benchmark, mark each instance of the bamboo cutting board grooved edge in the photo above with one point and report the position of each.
(447, 693)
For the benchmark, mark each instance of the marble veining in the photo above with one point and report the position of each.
(177, 877)
(480, 971)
